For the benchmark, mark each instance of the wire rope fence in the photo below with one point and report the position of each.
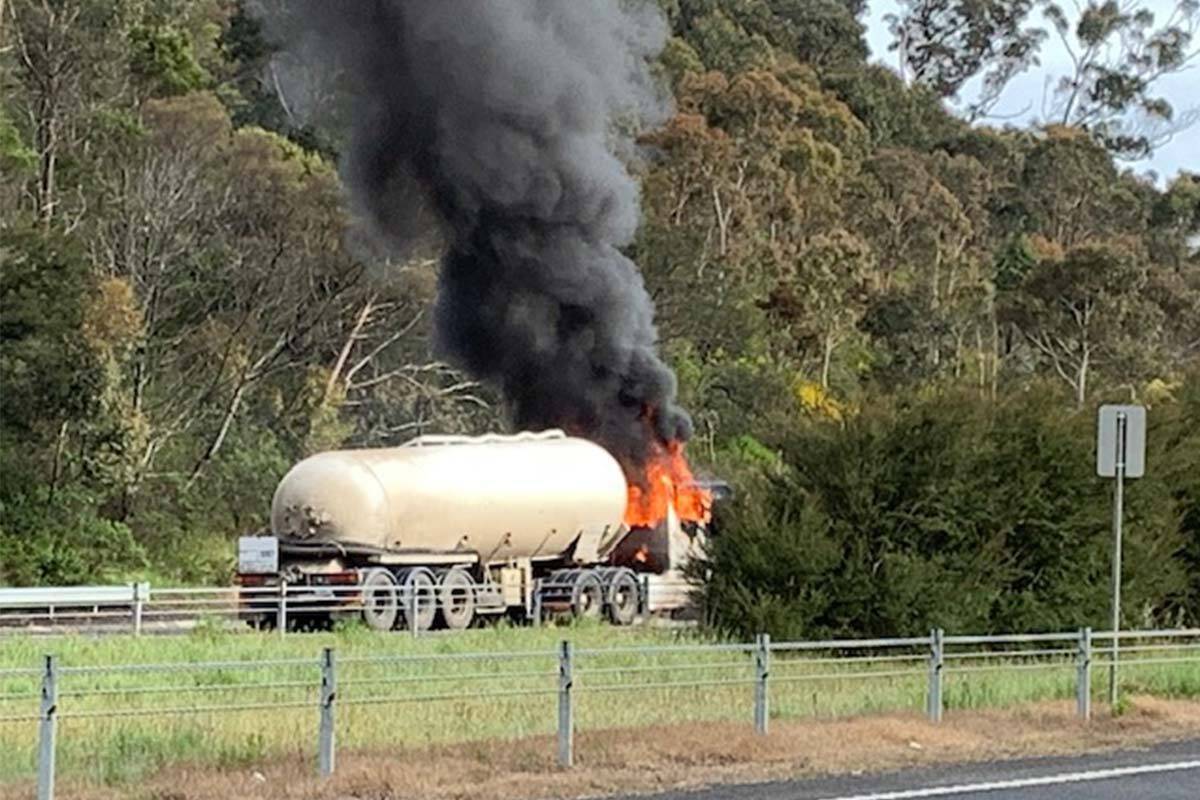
(147, 712)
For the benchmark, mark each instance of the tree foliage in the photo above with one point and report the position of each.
(945, 43)
(946, 511)
(1118, 53)
(889, 322)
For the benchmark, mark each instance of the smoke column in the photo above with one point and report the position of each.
(496, 119)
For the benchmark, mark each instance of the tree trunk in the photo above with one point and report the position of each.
(935, 283)
(995, 366)
(48, 149)
(1082, 378)
(214, 447)
(827, 360)
(348, 347)
(959, 336)
(722, 221)
(983, 359)
(56, 470)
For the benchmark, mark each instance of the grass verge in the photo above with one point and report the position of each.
(666, 757)
(499, 686)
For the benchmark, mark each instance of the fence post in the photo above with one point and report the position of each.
(46, 729)
(566, 717)
(139, 600)
(325, 743)
(936, 664)
(762, 670)
(644, 596)
(282, 616)
(1083, 674)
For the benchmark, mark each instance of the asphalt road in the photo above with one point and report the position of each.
(1163, 772)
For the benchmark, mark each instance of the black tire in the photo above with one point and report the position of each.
(380, 600)
(456, 599)
(311, 623)
(420, 581)
(262, 622)
(587, 596)
(621, 603)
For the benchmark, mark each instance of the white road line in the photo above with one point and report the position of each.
(1022, 783)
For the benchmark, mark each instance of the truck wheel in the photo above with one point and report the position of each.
(262, 622)
(587, 596)
(622, 600)
(456, 599)
(418, 582)
(380, 600)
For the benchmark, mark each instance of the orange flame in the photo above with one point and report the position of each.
(668, 482)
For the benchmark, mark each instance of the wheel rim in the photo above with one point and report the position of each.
(457, 599)
(422, 583)
(623, 599)
(589, 597)
(379, 602)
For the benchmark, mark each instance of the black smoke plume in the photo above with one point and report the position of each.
(498, 119)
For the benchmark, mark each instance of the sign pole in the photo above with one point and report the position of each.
(1120, 454)
(1118, 512)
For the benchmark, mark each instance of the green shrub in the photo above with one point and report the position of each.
(63, 540)
(946, 510)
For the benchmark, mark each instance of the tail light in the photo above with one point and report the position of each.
(335, 579)
(250, 580)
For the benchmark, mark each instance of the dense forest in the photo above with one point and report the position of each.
(891, 324)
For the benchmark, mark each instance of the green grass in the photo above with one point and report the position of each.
(380, 703)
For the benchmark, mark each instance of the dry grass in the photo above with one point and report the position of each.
(660, 759)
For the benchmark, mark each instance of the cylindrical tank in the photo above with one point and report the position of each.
(527, 495)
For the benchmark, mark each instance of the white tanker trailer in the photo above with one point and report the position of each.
(445, 529)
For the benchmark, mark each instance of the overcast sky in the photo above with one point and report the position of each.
(1025, 94)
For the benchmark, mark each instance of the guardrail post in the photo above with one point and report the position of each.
(535, 613)
(325, 735)
(282, 616)
(566, 717)
(1083, 674)
(138, 603)
(414, 603)
(644, 596)
(46, 729)
(936, 665)
(762, 670)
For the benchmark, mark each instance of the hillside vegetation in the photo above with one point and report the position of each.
(892, 326)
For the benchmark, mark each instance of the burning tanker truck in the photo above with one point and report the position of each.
(447, 530)
(504, 135)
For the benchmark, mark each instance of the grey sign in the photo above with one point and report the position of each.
(258, 555)
(1108, 447)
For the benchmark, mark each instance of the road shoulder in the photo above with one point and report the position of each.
(1046, 776)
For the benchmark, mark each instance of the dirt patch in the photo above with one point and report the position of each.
(661, 759)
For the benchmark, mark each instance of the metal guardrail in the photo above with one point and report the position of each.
(283, 607)
(55, 691)
(73, 596)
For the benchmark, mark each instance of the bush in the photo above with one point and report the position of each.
(63, 541)
(1174, 442)
(948, 511)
